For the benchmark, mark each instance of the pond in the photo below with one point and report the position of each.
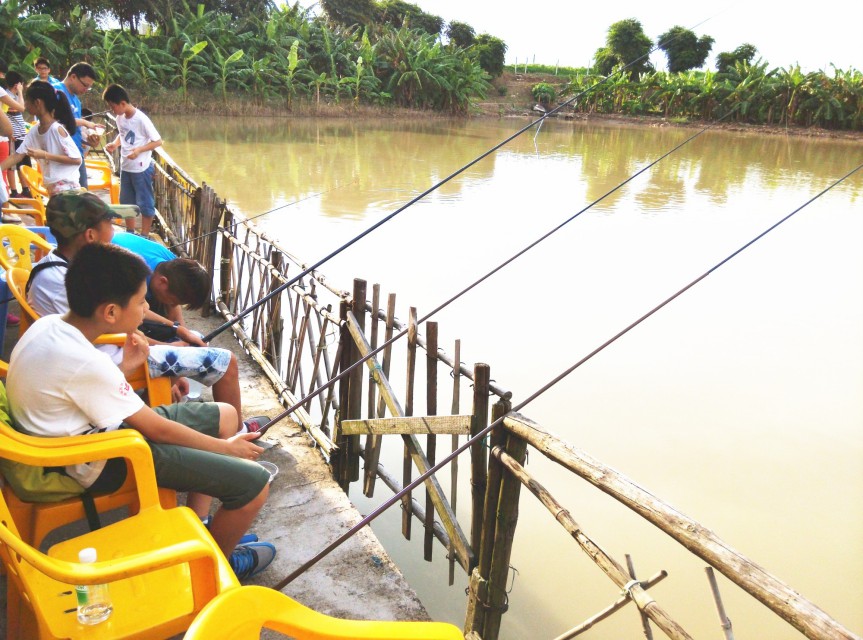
(739, 403)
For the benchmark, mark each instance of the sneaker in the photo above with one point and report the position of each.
(249, 537)
(253, 425)
(249, 560)
(10, 218)
(12, 320)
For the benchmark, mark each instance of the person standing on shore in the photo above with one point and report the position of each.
(79, 80)
(136, 137)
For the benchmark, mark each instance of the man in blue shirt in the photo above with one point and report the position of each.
(79, 80)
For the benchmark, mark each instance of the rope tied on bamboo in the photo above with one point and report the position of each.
(627, 588)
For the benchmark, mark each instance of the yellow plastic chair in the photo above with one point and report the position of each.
(100, 177)
(36, 520)
(38, 214)
(161, 565)
(240, 614)
(34, 179)
(20, 247)
(16, 280)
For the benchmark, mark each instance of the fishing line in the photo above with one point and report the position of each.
(487, 275)
(239, 316)
(476, 438)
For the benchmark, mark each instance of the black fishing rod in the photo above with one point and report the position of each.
(479, 436)
(485, 277)
(278, 290)
(260, 215)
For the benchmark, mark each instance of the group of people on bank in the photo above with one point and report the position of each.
(96, 282)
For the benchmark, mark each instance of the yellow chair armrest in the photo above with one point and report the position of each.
(111, 338)
(110, 570)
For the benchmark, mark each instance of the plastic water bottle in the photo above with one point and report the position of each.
(94, 602)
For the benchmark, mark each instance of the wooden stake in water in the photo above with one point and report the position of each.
(724, 620)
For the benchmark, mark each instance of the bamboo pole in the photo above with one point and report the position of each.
(339, 460)
(358, 308)
(431, 439)
(373, 443)
(453, 491)
(724, 620)
(802, 614)
(606, 563)
(409, 411)
(645, 621)
(504, 534)
(478, 459)
(614, 607)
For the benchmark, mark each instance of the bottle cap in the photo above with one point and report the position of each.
(87, 555)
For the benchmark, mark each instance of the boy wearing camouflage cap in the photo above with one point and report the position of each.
(77, 220)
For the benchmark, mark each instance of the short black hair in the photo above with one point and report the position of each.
(187, 280)
(82, 70)
(12, 78)
(115, 94)
(100, 274)
(41, 60)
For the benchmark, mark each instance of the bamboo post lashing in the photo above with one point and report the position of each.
(606, 563)
(506, 519)
(373, 443)
(478, 457)
(464, 553)
(780, 598)
(296, 373)
(225, 267)
(273, 344)
(317, 347)
(645, 621)
(453, 491)
(431, 439)
(614, 607)
(724, 620)
(409, 411)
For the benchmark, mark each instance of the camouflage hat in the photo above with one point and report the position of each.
(70, 213)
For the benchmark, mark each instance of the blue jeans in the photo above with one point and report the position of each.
(82, 174)
(137, 188)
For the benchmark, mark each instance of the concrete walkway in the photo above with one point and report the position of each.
(306, 511)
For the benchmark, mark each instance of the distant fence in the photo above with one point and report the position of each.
(306, 336)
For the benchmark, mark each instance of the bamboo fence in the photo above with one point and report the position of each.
(306, 336)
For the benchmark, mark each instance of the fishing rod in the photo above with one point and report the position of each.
(485, 277)
(260, 215)
(278, 290)
(479, 436)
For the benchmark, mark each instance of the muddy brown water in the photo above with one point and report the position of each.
(741, 403)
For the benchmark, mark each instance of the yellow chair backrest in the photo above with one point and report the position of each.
(16, 280)
(34, 179)
(240, 614)
(99, 177)
(20, 247)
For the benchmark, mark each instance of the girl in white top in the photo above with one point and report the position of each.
(50, 143)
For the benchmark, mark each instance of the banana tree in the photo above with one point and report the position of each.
(223, 63)
(186, 56)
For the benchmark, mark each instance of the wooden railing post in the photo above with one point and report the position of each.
(478, 598)
(431, 439)
(355, 407)
(339, 459)
(504, 533)
(478, 453)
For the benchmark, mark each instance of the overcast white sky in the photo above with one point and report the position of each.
(570, 31)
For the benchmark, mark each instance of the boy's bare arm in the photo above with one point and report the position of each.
(111, 146)
(161, 430)
(5, 126)
(144, 147)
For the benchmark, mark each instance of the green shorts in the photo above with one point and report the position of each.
(234, 481)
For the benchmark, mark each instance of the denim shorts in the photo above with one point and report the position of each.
(137, 188)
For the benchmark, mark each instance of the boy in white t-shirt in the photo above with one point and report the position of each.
(137, 138)
(195, 446)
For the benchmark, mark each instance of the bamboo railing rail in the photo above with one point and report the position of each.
(312, 331)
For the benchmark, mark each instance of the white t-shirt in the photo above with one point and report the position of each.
(135, 132)
(59, 385)
(55, 141)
